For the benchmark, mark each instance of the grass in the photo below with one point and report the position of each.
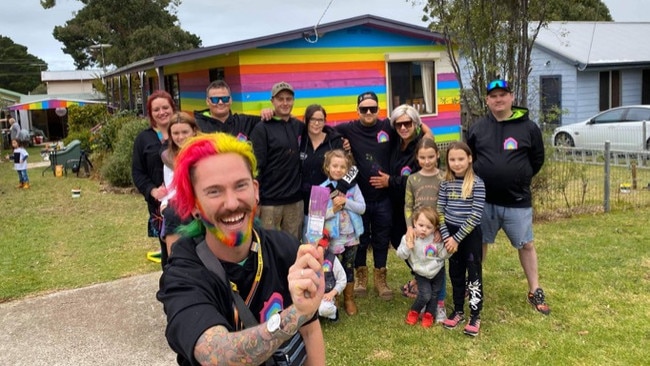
(594, 268)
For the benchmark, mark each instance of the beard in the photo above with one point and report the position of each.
(231, 239)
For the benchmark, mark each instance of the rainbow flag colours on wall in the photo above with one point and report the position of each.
(330, 72)
(49, 104)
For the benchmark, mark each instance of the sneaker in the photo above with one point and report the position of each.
(427, 320)
(412, 317)
(536, 299)
(410, 289)
(454, 319)
(472, 327)
(441, 314)
(336, 317)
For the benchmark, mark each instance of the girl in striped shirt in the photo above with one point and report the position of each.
(460, 206)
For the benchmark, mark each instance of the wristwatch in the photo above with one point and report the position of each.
(274, 325)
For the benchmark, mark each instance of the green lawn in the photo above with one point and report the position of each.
(594, 268)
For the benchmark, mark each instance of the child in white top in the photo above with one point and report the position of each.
(20, 156)
(335, 282)
(427, 260)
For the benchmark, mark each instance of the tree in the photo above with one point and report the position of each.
(495, 39)
(134, 29)
(21, 71)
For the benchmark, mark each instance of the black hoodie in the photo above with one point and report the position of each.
(507, 154)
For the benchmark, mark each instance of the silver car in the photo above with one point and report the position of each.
(622, 126)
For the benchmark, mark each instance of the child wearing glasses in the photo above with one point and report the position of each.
(426, 257)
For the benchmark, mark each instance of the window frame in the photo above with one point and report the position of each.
(434, 57)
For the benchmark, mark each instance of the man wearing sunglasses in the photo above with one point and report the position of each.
(219, 118)
(277, 148)
(508, 151)
(370, 141)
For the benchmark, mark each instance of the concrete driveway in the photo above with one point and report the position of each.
(114, 323)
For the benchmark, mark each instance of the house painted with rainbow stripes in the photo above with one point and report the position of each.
(329, 65)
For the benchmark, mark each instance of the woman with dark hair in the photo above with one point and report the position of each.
(147, 165)
(317, 139)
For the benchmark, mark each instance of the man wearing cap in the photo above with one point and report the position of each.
(219, 118)
(371, 142)
(508, 151)
(277, 149)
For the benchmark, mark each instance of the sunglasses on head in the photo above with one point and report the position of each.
(365, 110)
(215, 100)
(405, 124)
(497, 84)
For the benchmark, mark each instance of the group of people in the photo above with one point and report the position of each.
(385, 188)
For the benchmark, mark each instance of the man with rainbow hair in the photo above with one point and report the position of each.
(280, 280)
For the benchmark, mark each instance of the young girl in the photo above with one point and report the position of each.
(422, 191)
(343, 218)
(20, 156)
(181, 127)
(460, 206)
(426, 257)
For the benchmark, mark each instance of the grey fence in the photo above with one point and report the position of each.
(591, 180)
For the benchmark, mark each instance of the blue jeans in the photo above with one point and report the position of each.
(22, 176)
(377, 222)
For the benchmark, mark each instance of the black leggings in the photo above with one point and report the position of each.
(467, 261)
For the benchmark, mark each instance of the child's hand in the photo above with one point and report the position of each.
(330, 296)
(451, 245)
(437, 237)
(338, 203)
(409, 243)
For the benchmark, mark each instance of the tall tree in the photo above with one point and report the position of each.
(495, 39)
(20, 71)
(120, 32)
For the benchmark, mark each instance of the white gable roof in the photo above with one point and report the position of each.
(593, 44)
(70, 75)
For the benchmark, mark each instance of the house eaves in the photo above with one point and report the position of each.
(596, 45)
(369, 20)
(141, 65)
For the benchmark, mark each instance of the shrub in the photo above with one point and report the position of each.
(105, 137)
(116, 169)
(81, 119)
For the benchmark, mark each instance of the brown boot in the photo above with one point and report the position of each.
(348, 295)
(360, 281)
(384, 292)
(25, 185)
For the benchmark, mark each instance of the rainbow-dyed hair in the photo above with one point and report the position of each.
(195, 149)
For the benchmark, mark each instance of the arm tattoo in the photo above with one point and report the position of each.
(252, 346)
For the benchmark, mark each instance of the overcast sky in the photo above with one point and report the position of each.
(218, 21)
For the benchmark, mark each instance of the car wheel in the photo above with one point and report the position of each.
(564, 139)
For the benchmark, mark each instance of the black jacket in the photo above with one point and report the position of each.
(277, 148)
(507, 155)
(238, 125)
(312, 160)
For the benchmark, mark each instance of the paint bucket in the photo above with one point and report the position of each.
(58, 170)
(625, 188)
(76, 193)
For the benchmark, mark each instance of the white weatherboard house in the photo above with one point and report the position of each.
(587, 67)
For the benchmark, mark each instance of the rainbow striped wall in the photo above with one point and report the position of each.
(330, 72)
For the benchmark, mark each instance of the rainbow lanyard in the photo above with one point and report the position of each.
(256, 246)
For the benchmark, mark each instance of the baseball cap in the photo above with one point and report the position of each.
(280, 87)
(367, 95)
(498, 84)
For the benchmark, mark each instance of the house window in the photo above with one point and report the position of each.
(610, 89)
(217, 73)
(412, 83)
(171, 85)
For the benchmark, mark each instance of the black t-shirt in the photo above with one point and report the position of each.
(195, 299)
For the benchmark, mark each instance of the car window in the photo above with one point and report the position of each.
(638, 114)
(610, 116)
